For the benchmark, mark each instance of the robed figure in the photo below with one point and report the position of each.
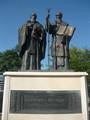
(32, 42)
(61, 34)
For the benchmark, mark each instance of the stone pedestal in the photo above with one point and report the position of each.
(45, 96)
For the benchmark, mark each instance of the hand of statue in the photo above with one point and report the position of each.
(33, 34)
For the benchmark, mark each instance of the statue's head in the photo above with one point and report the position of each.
(33, 17)
(59, 15)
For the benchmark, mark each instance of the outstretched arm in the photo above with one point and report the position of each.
(48, 25)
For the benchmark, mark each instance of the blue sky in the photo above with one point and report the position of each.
(14, 13)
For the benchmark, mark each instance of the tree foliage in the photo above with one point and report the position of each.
(80, 60)
(9, 61)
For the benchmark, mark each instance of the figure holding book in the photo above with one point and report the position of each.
(61, 34)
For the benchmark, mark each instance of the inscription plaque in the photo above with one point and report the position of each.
(45, 102)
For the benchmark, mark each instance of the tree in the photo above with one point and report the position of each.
(9, 61)
(80, 60)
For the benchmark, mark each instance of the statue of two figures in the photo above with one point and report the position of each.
(32, 41)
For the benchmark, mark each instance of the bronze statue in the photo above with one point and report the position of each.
(61, 34)
(32, 41)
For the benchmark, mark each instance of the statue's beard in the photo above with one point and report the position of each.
(58, 20)
(33, 20)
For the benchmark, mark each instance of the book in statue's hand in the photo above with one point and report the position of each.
(66, 30)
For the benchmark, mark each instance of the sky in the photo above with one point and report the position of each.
(14, 13)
